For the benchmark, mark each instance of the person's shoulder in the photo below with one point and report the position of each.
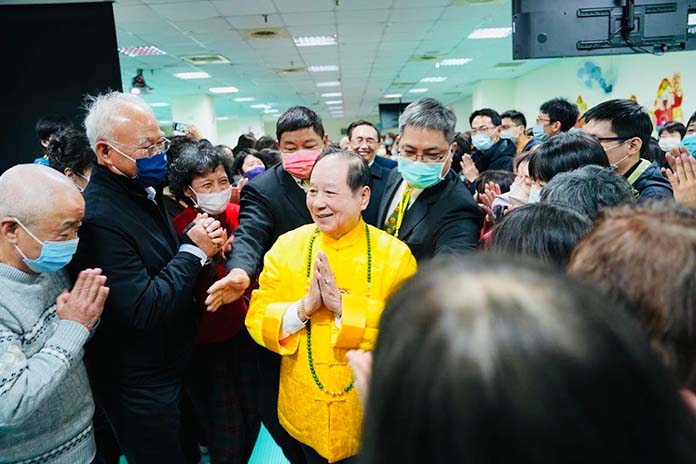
(296, 235)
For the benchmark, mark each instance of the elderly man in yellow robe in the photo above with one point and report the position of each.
(321, 294)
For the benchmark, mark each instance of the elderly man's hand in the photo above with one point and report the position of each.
(228, 289)
(208, 236)
(330, 293)
(85, 302)
(682, 176)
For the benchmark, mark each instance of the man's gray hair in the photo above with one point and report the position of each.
(102, 111)
(588, 189)
(429, 113)
(27, 192)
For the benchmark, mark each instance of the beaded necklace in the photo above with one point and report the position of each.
(308, 328)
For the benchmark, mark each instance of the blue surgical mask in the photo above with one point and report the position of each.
(152, 171)
(251, 173)
(420, 175)
(534, 195)
(482, 141)
(539, 133)
(690, 143)
(508, 135)
(54, 255)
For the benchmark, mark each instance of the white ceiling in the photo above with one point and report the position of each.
(377, 41)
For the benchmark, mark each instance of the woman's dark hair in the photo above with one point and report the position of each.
(503, 178)
(486, 360)
(48, 125)
(546, 232)
(463, 141)
(658, 283)
(265, 141)
(190, 165)
(655, 153)
(181, 145)
(241, 156)
(244, 142)
(70, 149)
(270, 157)
(565, 152)
(672, 127)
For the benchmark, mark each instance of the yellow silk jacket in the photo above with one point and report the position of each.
(330, 425)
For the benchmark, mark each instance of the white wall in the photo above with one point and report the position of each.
(228, 131)
(636, 75)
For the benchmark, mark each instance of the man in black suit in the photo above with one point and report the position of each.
(424, 203)
(364, 140)
(272, 204)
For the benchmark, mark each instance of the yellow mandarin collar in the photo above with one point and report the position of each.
(355, 236)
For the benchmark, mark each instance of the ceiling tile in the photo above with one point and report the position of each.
(362, 16)
(299, 6)
(415, 14)
(255, 21)
(244, 7)
(186, 11)
(307, 18)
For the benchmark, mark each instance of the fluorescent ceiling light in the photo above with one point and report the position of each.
(332, 94)
(335, 108)
(271, 110)
(315, 41)
(334, 102)
(159, 104)
(323, 68)
(164, 121)
(453, 62)
(328, 84)
(434, 79)
(192, 75)
(421, 90)
(260, 106)
(244, 99)
(224, 89)
(148, 50)
(222, 118)
(393, 95)
(491, 33)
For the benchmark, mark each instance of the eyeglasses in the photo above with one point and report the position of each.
(427, 158)
(481, 130)
(542, 120)
(359, 141)
(610, 139)
(152, 150)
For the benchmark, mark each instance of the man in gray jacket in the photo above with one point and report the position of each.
(46, 405)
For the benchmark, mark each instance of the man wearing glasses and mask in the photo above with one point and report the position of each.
(144, 343)
(623, 127)
(424, 203)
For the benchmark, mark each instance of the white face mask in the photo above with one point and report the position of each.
(212, 203)
(518, 196)
(668, 143)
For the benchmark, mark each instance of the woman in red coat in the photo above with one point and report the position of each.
(222, 385)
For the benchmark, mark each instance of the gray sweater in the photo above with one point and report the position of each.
(46, 405)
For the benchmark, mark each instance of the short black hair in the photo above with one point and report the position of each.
(516, 117)
(358, 169)
(627, 118)
(588, 189)
(270, 156)
(265, 141)
(195, 163)
(243, 142)
(692, 119)
(491, 113)
(565, 152)
(503, 178)
(296, 118)
(69, 149)
(361, 122)
(241, 156)
(563, 111)
(48, 125)
(463, 141)
(546, 232)
(673, 126)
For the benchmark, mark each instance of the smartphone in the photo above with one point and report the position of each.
(499, 211)
(180, 127)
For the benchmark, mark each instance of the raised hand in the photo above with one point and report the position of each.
(682, 175)
(330, 294)
(469, 169)
(85, 302)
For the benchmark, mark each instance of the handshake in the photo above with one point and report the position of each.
(208, 234)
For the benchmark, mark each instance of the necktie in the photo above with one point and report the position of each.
(393, 223)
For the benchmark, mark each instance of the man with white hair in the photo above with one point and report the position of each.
(45, 402)
(144, 344)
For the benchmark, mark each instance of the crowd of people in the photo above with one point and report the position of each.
(422, 296)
